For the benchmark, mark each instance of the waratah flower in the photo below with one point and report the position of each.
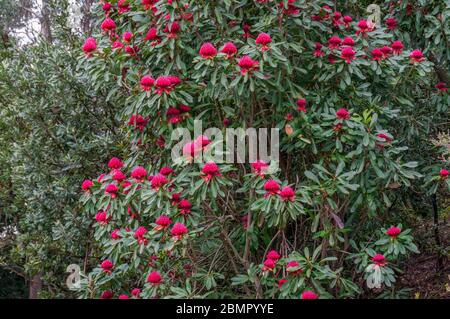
(178, 230)
(172, 29)
(269, 265)
(131, 50)
(107, 265)
(164, 84)
(208, 51)
(106, 6)
(364, 27)
(115, 234)
(259, 167)
(111, 190)
(308, 294)
(139, 173)
(342, 114)
(379, 260)
(387, 51)
(86, 185)
(287, 194)
(274, 255)
(397, 46)
(126, 187)
(210, 170)
(101, 217)
(89, 46)
(271, 187)
(185, 207)
(162, 222)
(334, 42)
(147, 82)
(152, 35)
(139, 235)
(318, 50)
(100, 178)
(347, 21)
(348, 41)
(123, 6)
(443, 173)
(416, 56)
(118, 176)
(138, 121)
(386, 139)
(301, 105)
(202, 141)
(229, 49)
(191, 150)
(166, 171)
(264, 40)
(115, 163)
(108, 25)
(290, 267)
(107, 294)
(377, 54)
(337, 21)
(158, 181)
(393, 231)
(391, 23)
(117, 45)
(127, 36)
(247, 64)
(123, 296)
(348, 54)
(154, 278)
(281, 282)
(176, 197)
(136, 292)
(441, 86)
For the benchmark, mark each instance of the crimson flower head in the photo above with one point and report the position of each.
(287, 194)
(229, 49)
(202, 140)
(393, 231)
(443, 173)
(334, 42)
(264, 40)
(274, 255)
(118, 176)
(271, 187)
(397, 46)
(123, 296)
(101, 217)
(387, 51)
(115, 234)
(127, 36)
(379, 260)
(308, 294)
(138, 121)
(348, 41)
(152, 35)
(117, 45)
(281, 282)
(107, 294)
(391, 23)
(185, 207)
(210, 169)
(178, 230)
(154, 278)
(342, 114)
(111, 190)
(139, 173)
(89, 46)
(147, 82)
(159, 181)
(293, 264)
(165, 84)
(162, 222)
(416, 56)
(364, 27)
(301, 105)
(136, 292)
(86, 185)
(441, 86)
(108, 25)
(115, 163)
(107, 265)
(140, 233)
(191, 149)
(348, 54)
(269, 265)
(318, 50)
(106, 6)
(247, 64)
(123, 6)
(259, 167)
(172, 29)
(208, 51)
(166, 171)
(377, 54)
(347, 21)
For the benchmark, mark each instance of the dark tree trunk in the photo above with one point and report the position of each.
(46, 31)
(86, 19)
(437, 238)
(35, 286)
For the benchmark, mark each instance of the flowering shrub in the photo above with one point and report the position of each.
(335, 85)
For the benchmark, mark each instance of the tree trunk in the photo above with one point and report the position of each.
(46, 31)
(86, 19)
(35, 286)
(437, 238)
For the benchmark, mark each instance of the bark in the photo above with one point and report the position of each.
(35, 286)
(437, 238)
(86, 19)
(46, 31)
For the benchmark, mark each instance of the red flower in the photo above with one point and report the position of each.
(293, 264)
(115, 163)
(86, 185)
(364, 27)
(301, 105)
(125, 186)
(166, 171)
(165, 84)
(272, 187)
(108, 25)
(139, 174)
(89, 46)
(393, 231)
(387, 51)
(391, 23)
(281, 283)
(348, 41)
(107, 294)
(154, 278)
(247, 64)
(162, 222)
(178, 230)
(441, 86)
(443, 173)
(101, 217)
(123, 6)
(202, 141)
(269, 265)
(334, 42)
(274, 255)
(127, 36)
(287, 194)
(115, 234)
(347, 21)
(210, 170)
(138, 121)
(308, 294)
(191, 149)
(117, 45)
(147, 82)
(118, 176)
(377, 55)
(139, 235)
(263, 39)
(348, 54)
(106, 7)
(111, 190)
(136, 292)
(229, 49)
(342, 114)
(416, 56)
(208, 51)
(379, 260)
(107, 265)
(259, 167)
(397, 46)
(185, 207)
(172, 29)
(318, 50)
(159, 181)
(123, 296)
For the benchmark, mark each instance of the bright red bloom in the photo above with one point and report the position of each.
(107, 266)
(347, 21)
(123, 6)
(117, 45)
(152, 35)
(208, 51)
(342, 114)
(391, 23)
(308, 294)
(178, 230)
(86, 185)
(136, 292)
(147, 82)
(443, 173)
(272, 187)
(154, 278)
(139, 235)
(416, 56)
(269, 265)
(158, 181)
(138, 121)
(89, 46)
(377, 54)
(259, 167)
(301, 105)
(287, 194)
(101, 217)
(115, 234)
(229, 49)
(393, 231)
(185, 207)
(164, 84)
(348, 54)
(111, 190)
(139, 173)
(364, 27)
(107, 294)
(274, 255)
(123, 296)
(106, 7)
(127, 36)
(264, 40)
(172, 29)
(115, 163)
(441, 86)
(118, 176)
(191, 149)
(126, 187)
(281, 282)
(348, 41)
(334, 42)
(210, 170)
(162, 222)
(247, 64)
(202, 141)
(166, 171)
(379, 260)
(108, 25)
(318, 50)
(387, 51)
(293, 264)
(397, 46)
